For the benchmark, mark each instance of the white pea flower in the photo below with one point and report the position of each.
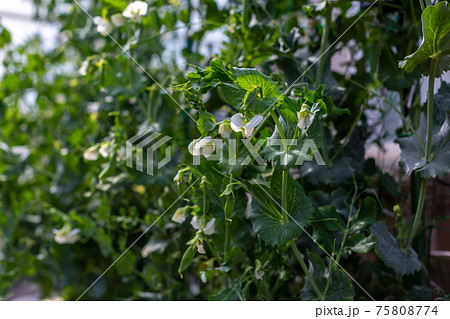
(91, 154)
(180, 215)
(225, 129)
(84, 67)
(117, 19)
(238, 123)
(259, 273)
(204, 146)
(201, 249)
(105, 150)
(303, 117)
(208, 228)
(104, 27)
(66, 236)
(135, 9)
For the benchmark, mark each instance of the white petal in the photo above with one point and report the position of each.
(238, 121)
(84, 67)
(179, 216)
(201, 249)
(255, 121)
(97, 19)
(303, 121)
(104, 150)
(259, 274)
(64, 237)
(235, 128)
(135, 8)
(91, 154)
(225, 130)
(194, 222)
(117, 20)
(249, 132)
(206, 146)
(191, 147)
(208, 150)
(103, 25)
(194, 147)
(209, 228)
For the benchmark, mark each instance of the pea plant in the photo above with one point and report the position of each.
(275, 206)
(289, 131)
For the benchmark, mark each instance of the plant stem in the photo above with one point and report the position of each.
(423, 186)
(430, 108)
(352, 128)
(323, 45)
(284, 183)
(204, 204)
(306, 271)
(225, 248)
(277, 123)
(422, 6)
(245, 21)
(347, 228)
(280, 130)
(418, 217)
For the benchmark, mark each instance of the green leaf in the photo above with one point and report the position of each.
(366, 215)
(441, 107)
(5, 37)
(266, 214)
(233, 94)
(342, 170)
(436, 39)
(403, 262)
(193, 77)
(217, 73)
(338, 111)
(224, 295)
(206, 122)
(317, 270)
(184, 16)
(361, 244)
(340, 288)
(413, 155)
(248, 79)
(252, 90)
(332, 220)
(419, 293)
(323, 237)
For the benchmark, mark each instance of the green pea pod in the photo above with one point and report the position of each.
(229, 207)
(187, 259)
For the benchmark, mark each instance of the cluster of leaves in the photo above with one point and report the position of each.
(69, 206)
